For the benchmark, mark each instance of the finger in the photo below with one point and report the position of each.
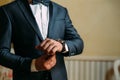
(53, 61)
(49, 49)
(53, 58)
(47, 45)
(44, 42)
(54, 50)
(48, 64)
(51, 64)
(38, 47)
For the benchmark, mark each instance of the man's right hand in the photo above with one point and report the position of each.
(45, 62)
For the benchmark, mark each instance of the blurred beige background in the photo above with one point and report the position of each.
(98, 23)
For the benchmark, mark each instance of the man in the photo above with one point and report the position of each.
(42, 34)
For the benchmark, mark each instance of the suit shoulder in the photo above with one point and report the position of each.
(58, 5)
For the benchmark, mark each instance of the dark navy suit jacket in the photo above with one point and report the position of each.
(18, 26)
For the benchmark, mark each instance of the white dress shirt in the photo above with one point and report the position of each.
(41, 14)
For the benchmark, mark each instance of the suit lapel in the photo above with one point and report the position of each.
(29, 16)
(51, 21)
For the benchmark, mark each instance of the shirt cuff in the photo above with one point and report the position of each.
(66, 49)
(33, 68)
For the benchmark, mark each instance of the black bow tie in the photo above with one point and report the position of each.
(44, 2)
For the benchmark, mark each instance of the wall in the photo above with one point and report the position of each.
(98, 23)
(2, 2)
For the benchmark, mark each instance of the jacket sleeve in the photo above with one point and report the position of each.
(72, 38)
(8, 59)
